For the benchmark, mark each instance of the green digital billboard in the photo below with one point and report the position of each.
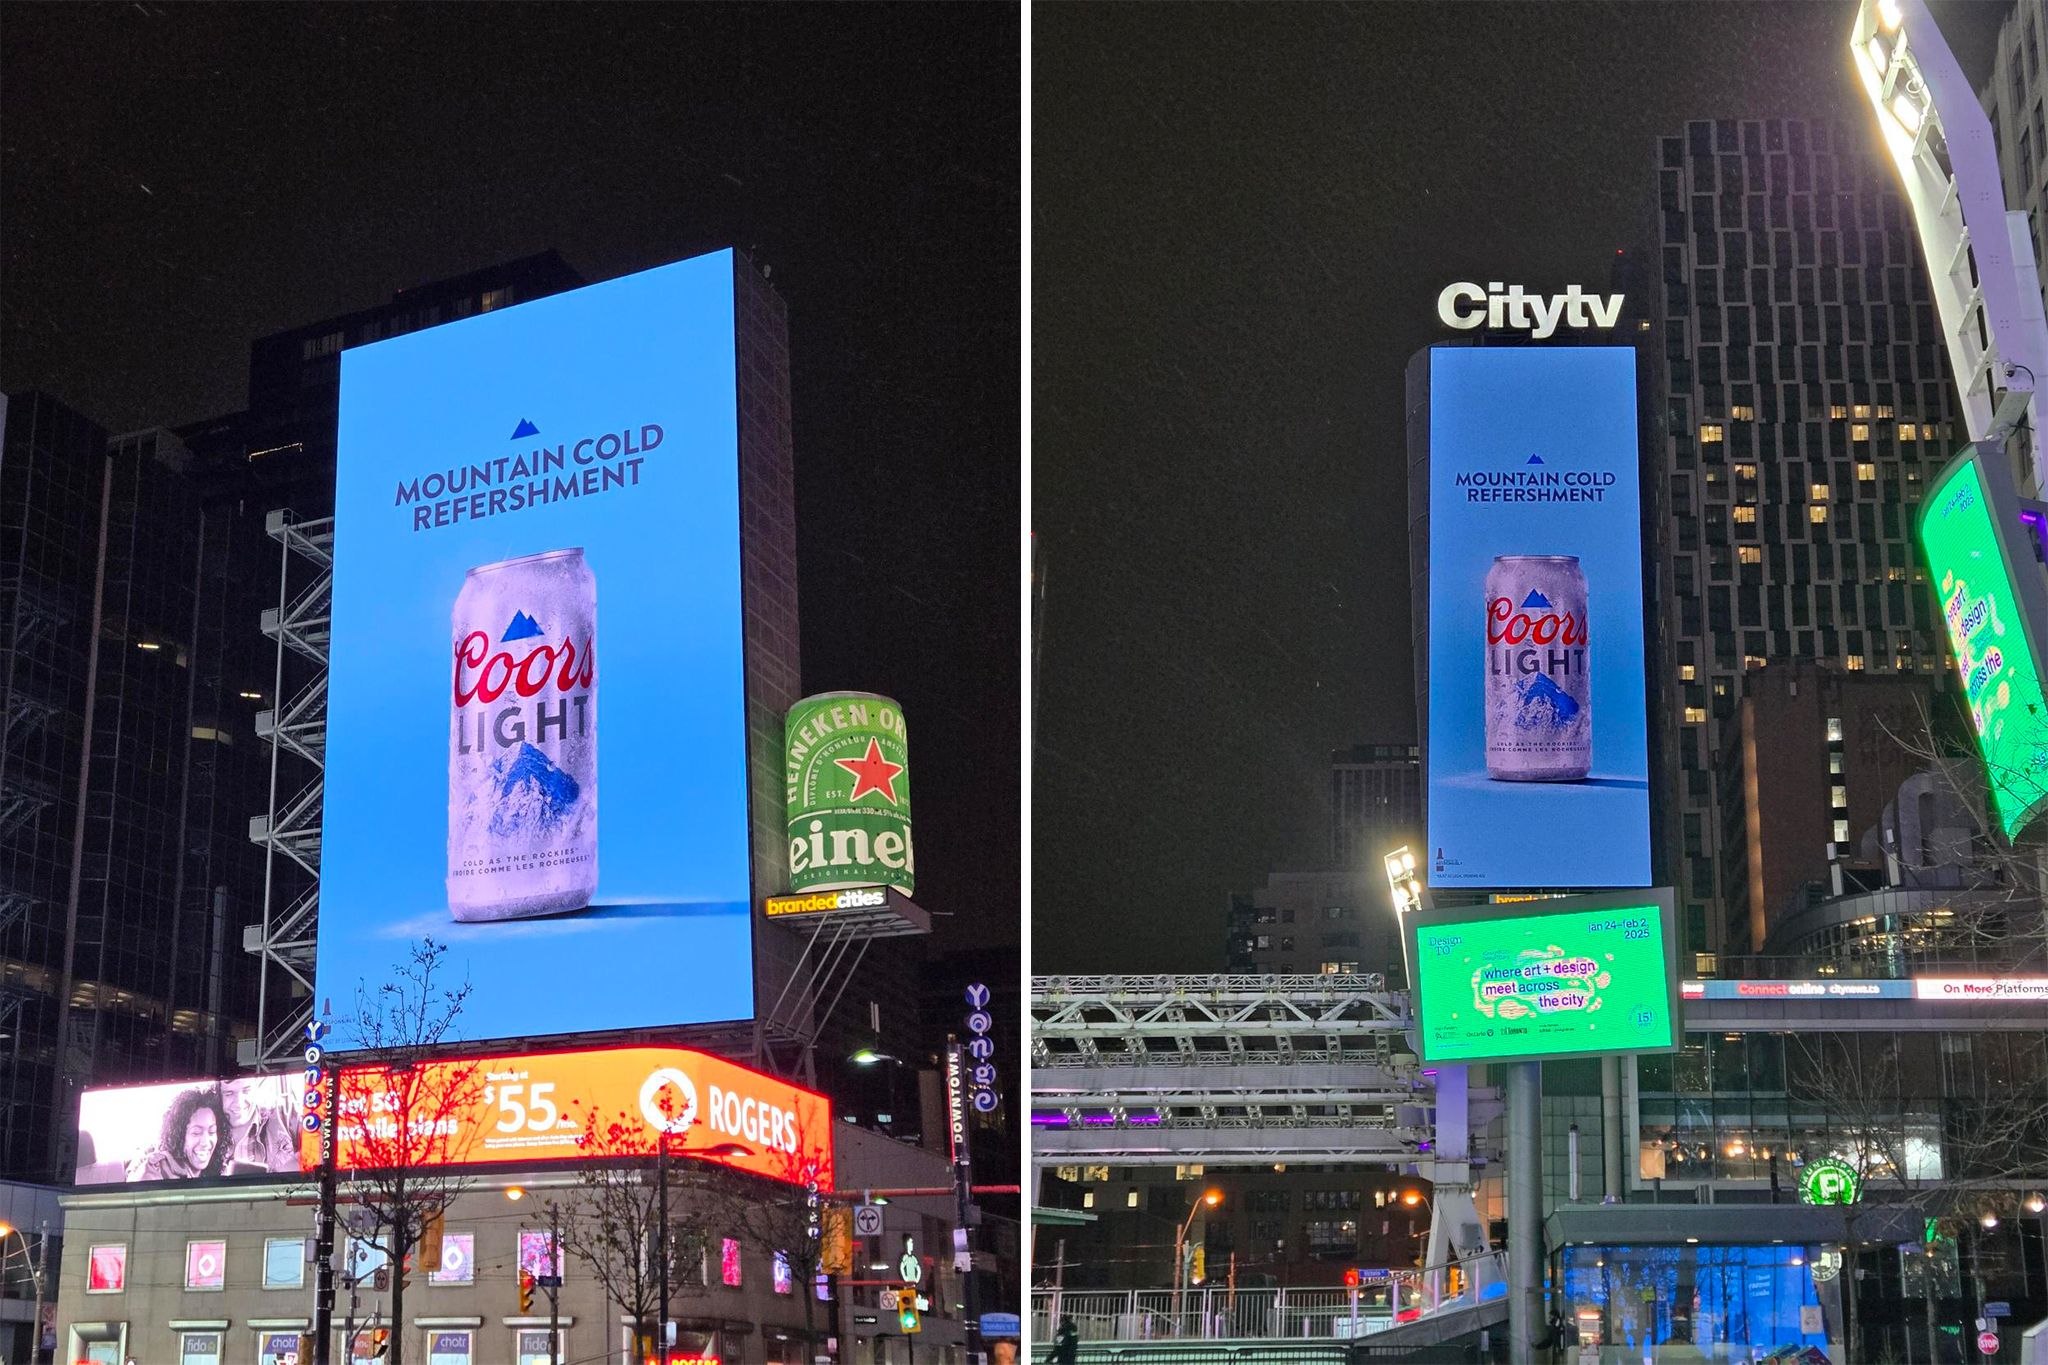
(1969, 530)
(1583, 976)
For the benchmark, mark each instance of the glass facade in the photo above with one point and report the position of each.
(1739, 1303)
(1906, 1108)
(130, 675)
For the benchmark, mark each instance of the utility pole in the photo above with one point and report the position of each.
(963, 1188)
(323, 1223)
(555, 1283)
(662, 1239)
(35, 1339)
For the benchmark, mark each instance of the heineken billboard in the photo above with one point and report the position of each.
(848, 768)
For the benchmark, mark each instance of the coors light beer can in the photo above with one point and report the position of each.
(522, 745)
(1539, 696)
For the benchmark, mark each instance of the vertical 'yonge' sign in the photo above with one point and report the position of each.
(1966, 530)
(848, 768)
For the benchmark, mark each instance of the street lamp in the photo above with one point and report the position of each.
(1402, 881)
(35, 1271)
(1210, 1199)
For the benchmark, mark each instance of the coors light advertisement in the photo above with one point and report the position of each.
(1537, 739)
(536, 737)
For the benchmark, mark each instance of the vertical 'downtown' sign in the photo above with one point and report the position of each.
(848, 769)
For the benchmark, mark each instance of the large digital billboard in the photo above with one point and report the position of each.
(536, 737)
(1581, 977)
(1969, 533)
(604, 1103)
(188, 1130)
(1538, 753)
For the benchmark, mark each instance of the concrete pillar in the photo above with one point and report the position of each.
(1525, 1210)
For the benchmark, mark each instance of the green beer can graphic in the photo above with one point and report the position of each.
(846, 760)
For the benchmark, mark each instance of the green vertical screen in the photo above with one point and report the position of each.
(1987, 634)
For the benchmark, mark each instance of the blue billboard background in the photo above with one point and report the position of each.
(429, 421)
(1505, 413)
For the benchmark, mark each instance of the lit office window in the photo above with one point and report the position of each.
(1745, 514)
(1866, 472)
(1749, 554)
(1711, 433)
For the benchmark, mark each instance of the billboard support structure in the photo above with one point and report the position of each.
(834, 945)
(290, 827)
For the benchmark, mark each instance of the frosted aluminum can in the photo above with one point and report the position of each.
(522, 743)
(1539, 694)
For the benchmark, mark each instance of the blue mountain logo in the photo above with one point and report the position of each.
(1535, 459)
(525, 428)
(1535, 599)
(523, 627)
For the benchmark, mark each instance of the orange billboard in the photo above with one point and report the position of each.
(605, 1103)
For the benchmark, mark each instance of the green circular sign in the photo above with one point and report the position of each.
(1829, 1181)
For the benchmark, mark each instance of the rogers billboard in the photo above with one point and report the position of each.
(554, 1106)
(536, 734)
(1538, 751)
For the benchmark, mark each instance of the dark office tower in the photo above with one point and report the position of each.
(1813, 758)
(280, 453)
(118, 870)
(1375, 803)
(2016, 101)
(1806, 400)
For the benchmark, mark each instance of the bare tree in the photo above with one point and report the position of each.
(1996, 911)
(787, 1212)
(401, 1109)
(615, 1222)
(1951, 1159)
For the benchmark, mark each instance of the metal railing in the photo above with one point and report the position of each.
(1216, 1313)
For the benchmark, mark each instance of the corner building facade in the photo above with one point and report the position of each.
(1803, 402)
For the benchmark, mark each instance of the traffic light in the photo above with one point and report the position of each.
(526, 1291)
(380, 1343)
(1351, 1278)
(906, 1313)
(405, 1271)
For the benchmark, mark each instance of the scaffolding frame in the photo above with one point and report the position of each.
(290, 826)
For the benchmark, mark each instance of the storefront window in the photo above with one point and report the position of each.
(451, 1348)
(106, 1269)
(199, 1348)
(274, 1348)
(284, 1262)
(458, 1260)
(531, 1347)
(729, 1263)
(1722, 1302)
(205, 1264)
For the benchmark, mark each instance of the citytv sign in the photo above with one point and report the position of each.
(1465, 306)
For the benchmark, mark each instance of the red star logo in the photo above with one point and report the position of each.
(872, 773)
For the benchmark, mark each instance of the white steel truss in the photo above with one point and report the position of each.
(290, 828)
(1149, 1070)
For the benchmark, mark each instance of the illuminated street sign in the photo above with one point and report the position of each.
(1829, 1181)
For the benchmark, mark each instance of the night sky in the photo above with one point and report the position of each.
(178, 180)
(1241, 217)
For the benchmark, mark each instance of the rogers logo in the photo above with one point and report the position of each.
(675, 1117)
